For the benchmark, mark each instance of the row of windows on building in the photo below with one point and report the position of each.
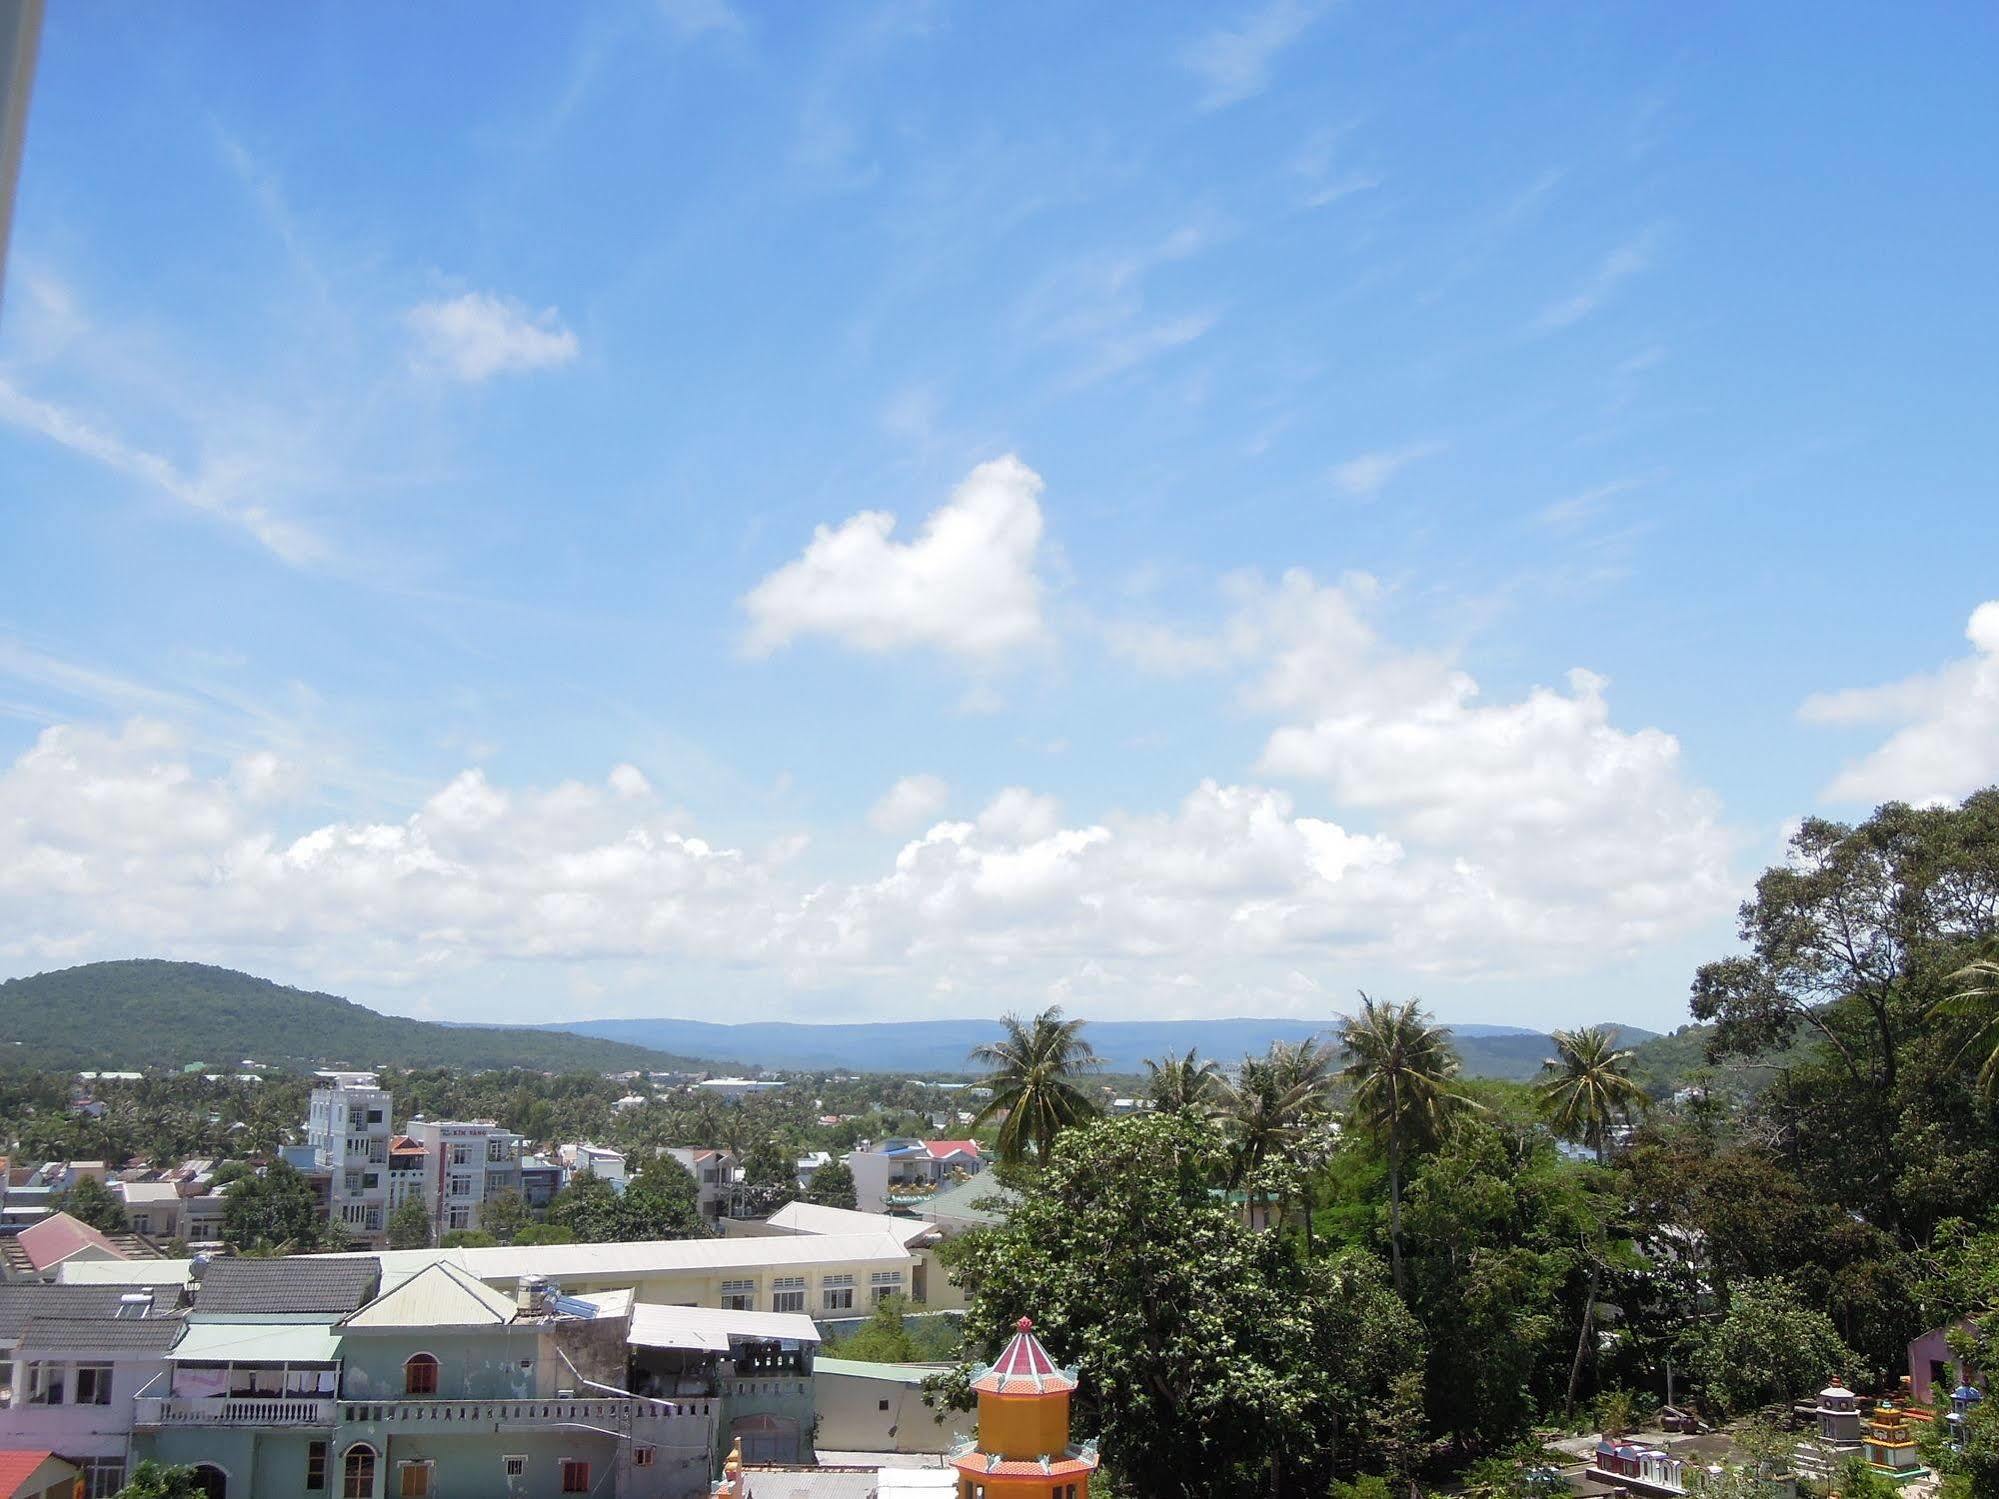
(788, 1293)
(416, 1478)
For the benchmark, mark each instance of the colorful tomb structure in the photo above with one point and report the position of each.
(1963, 1401)
(1023, 1445)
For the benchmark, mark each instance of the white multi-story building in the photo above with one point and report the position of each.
(904, 1172)
(583, 1158)
(347, 1128)
(715, 1174)
(466, 1165)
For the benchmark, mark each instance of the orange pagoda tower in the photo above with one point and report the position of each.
(1023, 1445)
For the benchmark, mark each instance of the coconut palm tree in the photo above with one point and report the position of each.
(1401, 1070)
(1586, 1089)
(1185, 1085)
(1978, 1001)
(1035, 1070)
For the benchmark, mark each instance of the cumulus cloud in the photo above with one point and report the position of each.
(113, 843)
(965, 584)
(478, 335)
(1946, 743)
(909, 803)
(1542, 805)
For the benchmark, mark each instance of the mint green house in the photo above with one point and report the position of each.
(436, 1385)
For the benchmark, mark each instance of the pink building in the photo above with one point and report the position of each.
(1933, 1369)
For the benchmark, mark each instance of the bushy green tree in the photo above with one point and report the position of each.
(661, 1202)
(1770, 1346)
(503, 1215)
(90, 1201)
(832, 1186)
(157, 1480)
(1214, 1360)
(275, 1208)
(409, 1226)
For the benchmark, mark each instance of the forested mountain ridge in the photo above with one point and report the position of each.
(149, 1012)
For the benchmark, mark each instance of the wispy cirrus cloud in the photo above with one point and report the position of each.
(1617, 267)
(1234, 62)
(1366, 474)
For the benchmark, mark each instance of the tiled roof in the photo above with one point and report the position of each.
(942, 1148)
(17, 1467)
(59, 1236)
(1023, 1368)
(304, 1284)
(140, 1334)
(21, 1301)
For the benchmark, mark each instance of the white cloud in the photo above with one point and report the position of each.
(478, 335)
(1233, 62)
(1535, 813)
(1367, 475)
(1617, 267)
(909, 803)
(1946, 744)
(692, 18)
(966, 584)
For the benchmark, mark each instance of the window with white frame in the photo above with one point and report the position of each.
(461, 1186)
(461, 1155)
(45, 1384)
(93, 1384)
(787, 1293)
(739, 1295)
(515, 1466)
(100, 1477)
(885, 1283)
(642, 1455)
(458, 1218)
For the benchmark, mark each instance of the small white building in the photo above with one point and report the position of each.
(585, 1159)
(736, 1089)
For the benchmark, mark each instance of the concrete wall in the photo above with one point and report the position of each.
(71, 1429)
(472, 1363)
(883, 1413)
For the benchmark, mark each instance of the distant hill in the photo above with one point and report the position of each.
(148, 1012)
(940, 1046)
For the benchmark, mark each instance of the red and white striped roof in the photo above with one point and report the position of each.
(1023, 1368)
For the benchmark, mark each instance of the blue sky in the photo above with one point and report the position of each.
(1415, 499)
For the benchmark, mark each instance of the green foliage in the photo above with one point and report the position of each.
(1212, 1357)
(156, 1480)
(1036, 1067)
(271, 1210)
(659, 1203)
(892, 1335)
(467, 1238)
(545, 1233)
(90, 1201)
(1770, 1346)
(504, 1215)
(409, 1226)
(1588, 1090)
(832, 1186)
(1857, 1480)
(1367, 1486)
(147, 1012)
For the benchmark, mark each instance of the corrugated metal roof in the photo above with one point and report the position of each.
(710, 1329)
(440, 1296)
(811, 1218)
(258, 1343)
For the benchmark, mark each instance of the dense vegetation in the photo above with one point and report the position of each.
(1460, 1264)
(149, 1013)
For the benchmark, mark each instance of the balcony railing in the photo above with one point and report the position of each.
(600, 1411)
(233, 1410)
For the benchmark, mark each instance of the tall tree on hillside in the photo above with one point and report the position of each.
(1185, 1085)
(1402, 1070)
(1036, 1067)
(1586, 1089)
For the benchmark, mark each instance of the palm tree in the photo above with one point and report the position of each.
(1185, 1085)
(1978, 1001)
(1586, 1089)
(1035, 1069)
(1278, 1110)
(1400, 1067)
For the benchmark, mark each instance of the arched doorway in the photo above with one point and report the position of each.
(211, 1480)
